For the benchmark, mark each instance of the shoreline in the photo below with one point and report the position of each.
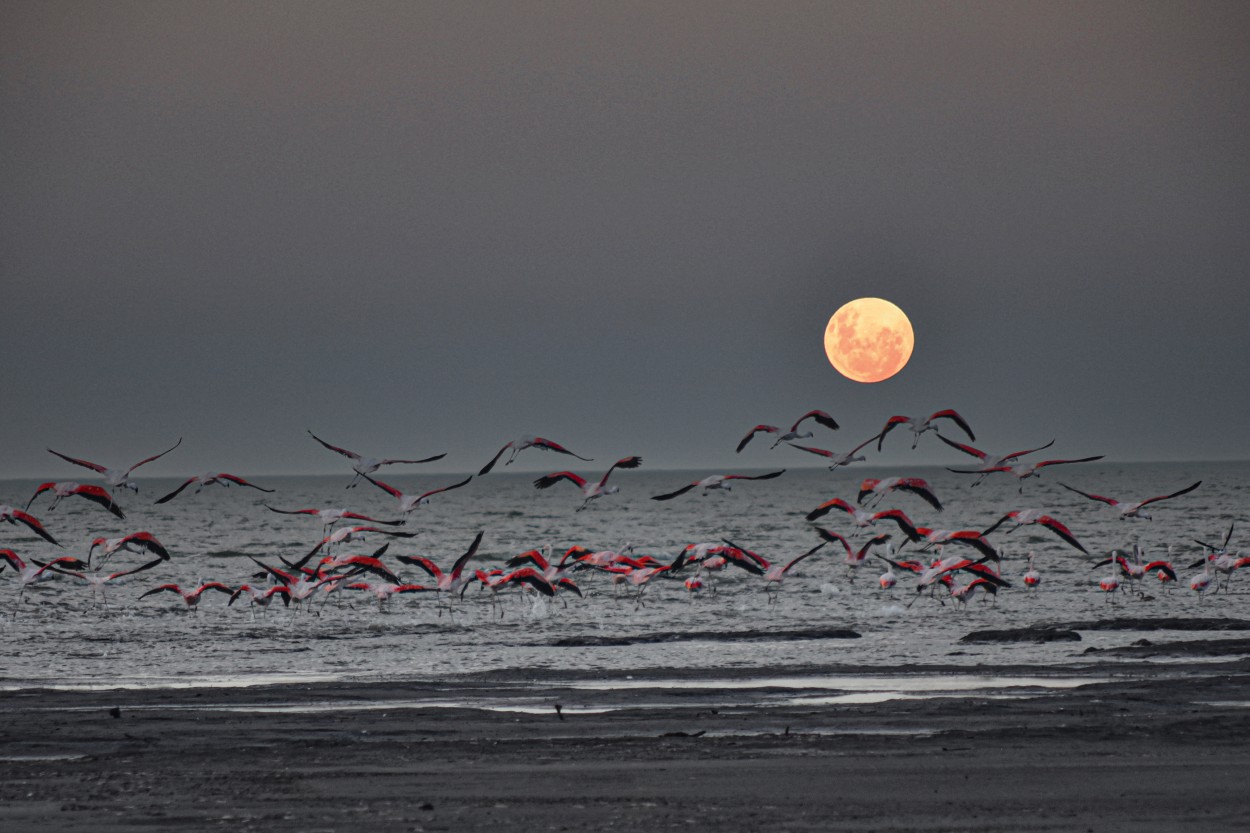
(1138, 746)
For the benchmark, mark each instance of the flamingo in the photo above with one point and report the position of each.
(528, 441)
(116, 478)
(64, 489)
(1135, 570)
(820, 417)
(854, 558)
(989, 462)
(368, 465)
(1132, 509)
(330, 517)
(1026, 517)
(951, 564)
(962, 592)
(208, 479)
(1204, 581)
(497, 580)
(919, 426)
(301, 587)
(261, 596)
(1021, 472)
(837, 459)
(384, 590)
(1110, 584)
(717, 481)
(99, 581)
(590, 491)
(28, 574)
(134, 542)
(968, 537)
(1224, 562)
(775, 573)
(877, 488)
(408, 503)
(13, 516)
(347, 534)
(190, 597)
(1032, 578)
(863, 518)
(453, 580)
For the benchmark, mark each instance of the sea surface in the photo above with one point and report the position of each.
(63, 635)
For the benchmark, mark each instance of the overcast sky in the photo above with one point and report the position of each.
(426, 227)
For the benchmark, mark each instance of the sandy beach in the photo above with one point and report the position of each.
(1129, 742)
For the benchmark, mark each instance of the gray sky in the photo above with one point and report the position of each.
(426, 227)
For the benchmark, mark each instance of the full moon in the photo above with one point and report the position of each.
(869, 340)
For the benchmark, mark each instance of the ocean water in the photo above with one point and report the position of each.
(62, 635)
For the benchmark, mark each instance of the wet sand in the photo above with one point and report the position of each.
(1142, 747)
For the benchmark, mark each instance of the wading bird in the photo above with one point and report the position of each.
(1132, 509)
(717, 481)
(836, 458)
(854, 557)
(134, 542)
(28, 574)
(877, 488)
(1135, 570)
(98, 581)
(95, 494)
(190, 597)
(116, 478)
(1027, 517)
(590, 491)
(863, 519)
(989, 462)
(330, 517)
(528, 441)
(408, 503)
(368, 465)
(9, 514)
(209, 479)
(920, 425)
(453, 580)
(820, 418)
(1021, 471)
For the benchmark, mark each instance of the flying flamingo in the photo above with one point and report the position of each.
(955, 563)
(408, 503)
(95, 494)
(590, 491)
(1021, 471)
(989, 462)
(116, 478)
(863, 518)
(454, 579)
(877, 488)
(837, 459)
(208, 479)
(190, 597)
(820, 417)
(1026, 517)
(347, 534)
(889, 578)
(1132, 510)
(330, 517)
(775, 573)
(8, 514)
(134, 542)
(301, 586)
(384, 590)
(1223, 562)
(99, 581)
(28, 574)
(261, 596)
(717, 481)
(962, 592)
(968, 537)
(368, 465)
(919, 426)
(528, 441)
(854, 558)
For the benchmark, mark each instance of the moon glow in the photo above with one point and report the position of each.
(869, 340)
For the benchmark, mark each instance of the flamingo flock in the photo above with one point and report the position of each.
(945, 563)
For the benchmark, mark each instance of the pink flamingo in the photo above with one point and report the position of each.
(330, 517)
(863, 519)
(209, 479)
(854, 558)
(989, 462)
(190, 597)
(919, 425)
(1026, 517)
(877, 488)
(134, 542)
(453, 580)
(837, 459)
(98, 582)
(1032, 578)
(717, 481)
(13, 516)
(590, 491)
(408, 503)
(528, 441)
(95, 494)
(1132, 509)
(820, 417)
(368, 465)
(1022, 471)
(28, 574)
(116, 478)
